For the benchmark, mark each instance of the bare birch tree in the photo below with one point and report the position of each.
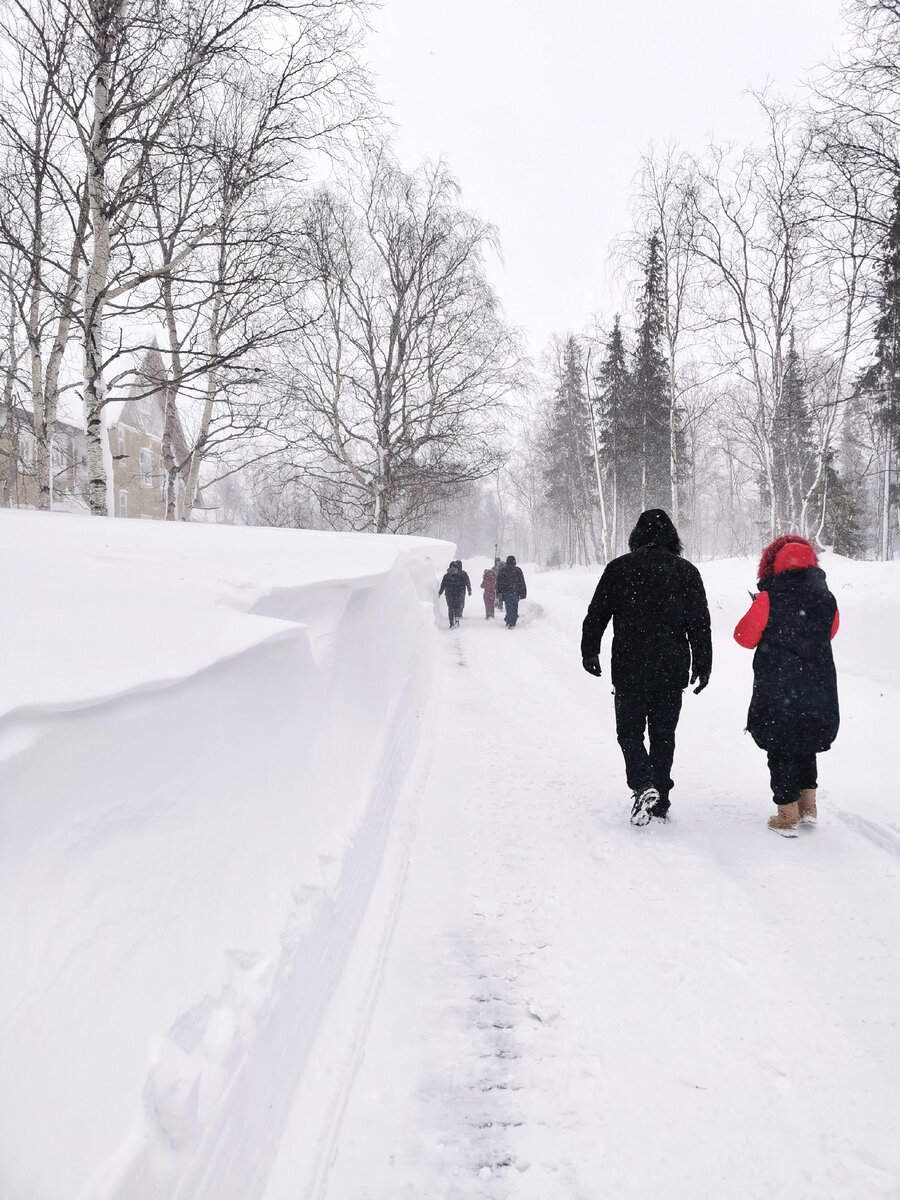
(43, 221)
(229, 303)
(401, 375)
(752, 230)
(127, 75)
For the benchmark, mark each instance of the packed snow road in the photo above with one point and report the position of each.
(568, 1007)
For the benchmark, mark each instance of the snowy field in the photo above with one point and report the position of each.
(305, 896)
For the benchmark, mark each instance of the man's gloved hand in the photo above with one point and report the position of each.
(701, 681)
(592, 665)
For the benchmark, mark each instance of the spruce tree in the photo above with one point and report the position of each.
(568, 453)
(793, 443)
(613, 400)
(842, 527)
(882, 380)
(650, 483)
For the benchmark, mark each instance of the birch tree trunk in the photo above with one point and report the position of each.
(41, 433)
(212, 374)
(209, 405)
(886, 498)
(171, 468)
(596, 456)
(9, 382)
(673, 450)
(104, 20)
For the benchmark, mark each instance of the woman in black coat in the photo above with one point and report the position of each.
(794, 711)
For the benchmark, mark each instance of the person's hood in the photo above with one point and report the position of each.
(511, 561)
(654, 528)
(795, 556)
(780, 552)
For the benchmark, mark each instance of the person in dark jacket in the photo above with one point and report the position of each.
(661, 641)
(794, 713)
(511, 587)
(454, 586)
(466, 581)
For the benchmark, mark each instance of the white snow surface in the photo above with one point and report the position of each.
(303, 895)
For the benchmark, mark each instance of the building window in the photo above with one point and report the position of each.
(123, 503)
(26, 447)
(146, 468)
(120, 441)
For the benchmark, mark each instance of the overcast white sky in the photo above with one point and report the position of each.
(543, 109)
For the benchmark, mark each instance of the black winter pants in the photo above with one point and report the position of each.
(790, 775)
(455, 605)
(656, 711)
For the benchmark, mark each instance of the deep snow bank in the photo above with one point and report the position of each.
(202, 734)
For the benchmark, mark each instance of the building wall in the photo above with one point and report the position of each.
(18, 482)
(138, 473)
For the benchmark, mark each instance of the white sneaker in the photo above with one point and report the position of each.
(643, 803)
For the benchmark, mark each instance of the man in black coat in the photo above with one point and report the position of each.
(511, 587)
(661, 640)
(454, 586)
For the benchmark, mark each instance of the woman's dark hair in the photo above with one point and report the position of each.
(654, 528)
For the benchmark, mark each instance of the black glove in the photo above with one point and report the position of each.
(592, 665)
(701, 681)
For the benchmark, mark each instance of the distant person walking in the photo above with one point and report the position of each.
(661, 639)
(511, 589)
(453, 585)
(466, 581)
(794, 713)
(489, 587)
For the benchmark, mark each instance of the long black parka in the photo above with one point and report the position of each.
(660, 617)
(454, 584)
(794, 707)
(511, 580)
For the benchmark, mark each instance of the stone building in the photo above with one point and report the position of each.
(18, 477)
(135, 443)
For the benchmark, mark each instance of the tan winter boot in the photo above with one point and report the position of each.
(786, 820)
(807, 806)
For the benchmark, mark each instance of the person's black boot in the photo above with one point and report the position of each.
(644, 802)
(660, 810)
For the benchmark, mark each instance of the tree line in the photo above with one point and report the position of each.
(161, 192)
(754, 386)
(212, 185)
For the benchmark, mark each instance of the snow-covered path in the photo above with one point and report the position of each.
(304, 897)
(574, 1008)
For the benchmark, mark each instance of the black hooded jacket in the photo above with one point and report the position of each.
(454, 584)
(658, 608)
(794, 707)
(511, 580)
